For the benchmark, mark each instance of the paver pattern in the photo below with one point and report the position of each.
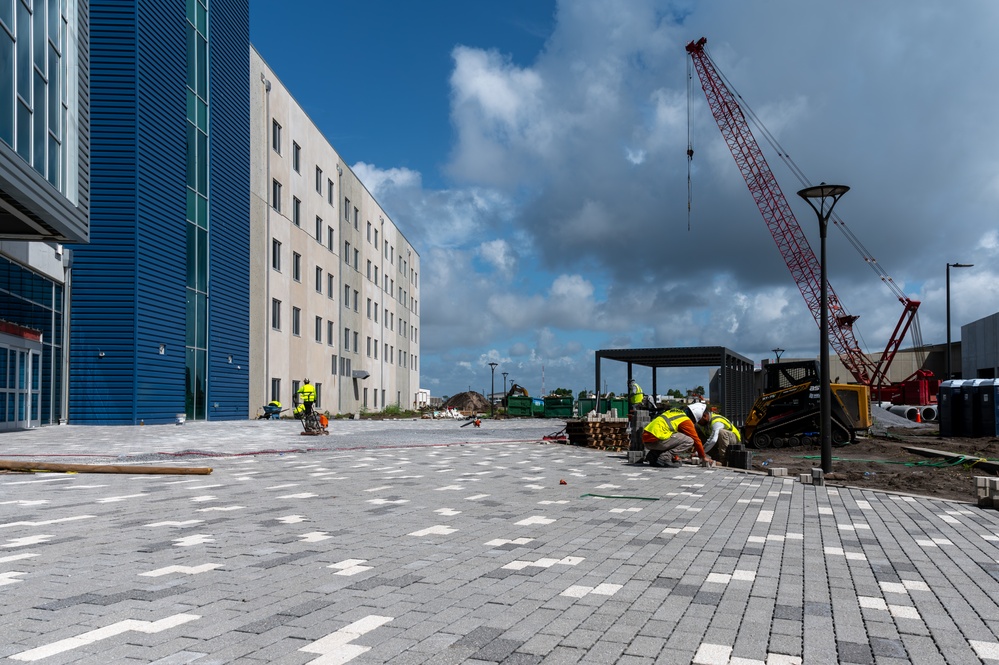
(426, 542)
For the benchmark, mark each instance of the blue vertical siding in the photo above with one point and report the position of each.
(129, 292)
(229, 212)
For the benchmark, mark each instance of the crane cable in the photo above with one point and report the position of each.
(690, 147)
(805, 182)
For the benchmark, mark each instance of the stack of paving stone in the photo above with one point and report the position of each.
(739, 458)
(987, 488)
(602, 432)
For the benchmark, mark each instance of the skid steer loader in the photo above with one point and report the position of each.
(787, 414)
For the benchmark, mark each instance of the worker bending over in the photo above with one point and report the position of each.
(721, 434)
(673, 432)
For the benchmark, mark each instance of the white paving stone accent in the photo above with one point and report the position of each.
(99, 634)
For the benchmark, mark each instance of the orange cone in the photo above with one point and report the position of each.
(919, 417)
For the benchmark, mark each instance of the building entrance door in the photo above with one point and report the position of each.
(20, 392)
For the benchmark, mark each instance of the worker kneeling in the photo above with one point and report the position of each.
(671, 434)
(721, 434)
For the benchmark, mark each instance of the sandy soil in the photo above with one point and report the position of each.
(880, 462)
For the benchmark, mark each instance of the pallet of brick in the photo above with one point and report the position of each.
(604, 434)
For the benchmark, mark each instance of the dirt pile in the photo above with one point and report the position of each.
(471, 401)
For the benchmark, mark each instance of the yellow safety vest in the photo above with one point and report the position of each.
(726, 423)
(307, 393)
(667, 424)
(637, 397)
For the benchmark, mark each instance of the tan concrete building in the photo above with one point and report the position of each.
(335, 286)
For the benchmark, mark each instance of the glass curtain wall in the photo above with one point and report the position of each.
(197, 209)
(33, 84)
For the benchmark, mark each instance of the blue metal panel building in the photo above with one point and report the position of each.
(131, 310)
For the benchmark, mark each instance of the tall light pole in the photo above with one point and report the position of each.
(777, 352)
(818, 197)
(949, 374)
(492, 388)
(504, 388)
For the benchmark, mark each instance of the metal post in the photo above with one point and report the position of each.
(822, 193)
(492, 389)
(949, 374)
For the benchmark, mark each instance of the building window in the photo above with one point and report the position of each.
(276, 136)
(276, 195)
(330, 332)
(387, 355)
(365, 403)
(275, 390)
(356, 215)
(296, 157)
(296, 266)
(357, 297)
(319, 329)
(369, 270)
(376, 349)
(376, 238)
(319, 229)
(333, 367)
(369, 232)
(346, 252)
(275, 314)
(329, 191)
(376, 276)
(374, 394)
(369, 308)
(319, 279)
(329, 238)
(296, 321)
(357, 341)
(296, 211)
(376, 312)
(295, 385)
(368, 349)
(346, 296)
(276, 254)
(319, 396)
(319, 180)
(346, 339)
(330, 286)
(357, 258)
(346, 209)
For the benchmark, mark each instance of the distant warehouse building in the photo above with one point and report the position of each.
(335, 284)
(160, 297)
(980, 348)
(44, 199)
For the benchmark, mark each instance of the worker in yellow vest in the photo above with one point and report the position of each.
(721, 434)
(672, 433)
(307, 395)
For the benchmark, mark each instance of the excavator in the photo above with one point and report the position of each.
(515, 391)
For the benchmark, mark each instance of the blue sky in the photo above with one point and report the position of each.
(534, 152)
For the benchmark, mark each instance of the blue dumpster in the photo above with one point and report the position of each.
(949, 407)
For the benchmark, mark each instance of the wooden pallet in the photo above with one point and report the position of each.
(608, 434)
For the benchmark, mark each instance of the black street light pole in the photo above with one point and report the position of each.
(504, 387)
(949, 374)
(492, 389)
(817, 197)
(777, 352)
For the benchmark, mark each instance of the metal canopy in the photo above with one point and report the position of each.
(736, 384)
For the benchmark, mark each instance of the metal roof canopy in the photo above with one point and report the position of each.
(736, 384)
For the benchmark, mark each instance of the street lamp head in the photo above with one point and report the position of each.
(960, 265)
(493, 365)
(822, 191)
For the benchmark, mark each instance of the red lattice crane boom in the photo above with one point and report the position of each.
(787, 233)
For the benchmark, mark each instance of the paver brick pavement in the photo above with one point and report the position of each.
(426, 542)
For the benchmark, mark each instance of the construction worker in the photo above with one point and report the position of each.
(722, 434)
(306, 396)
(673, 432)
(638, 398)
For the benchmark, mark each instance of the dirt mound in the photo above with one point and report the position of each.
(471, 401)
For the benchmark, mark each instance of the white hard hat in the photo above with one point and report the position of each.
(696, 410)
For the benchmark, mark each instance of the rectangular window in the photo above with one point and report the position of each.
(330, 286)
(319, 279)
(356, 216)
(319, 229)
(365, 402)
(329, 238)
(374, 394)
(376, 312)
(369, 308)
(346, 296)
(296, 157)
(376, 238)
(357, 258)
(357, 341)
(319, 180)
(346, 339)
(319, 396)
(275, 390)
(296, 321)
(376, 275)
(388, 356)
(276, 254)
(296, 211)
(276, 136)
(276, 314)
(346, 252)
(333, 367)
(296, 266)
(376, 349)
(346, 209)
(330, 332)
(329, 191)
(369, 347)
(357, 297)
(276, 195)
(369, 232)
(369, 269)
(319, 329)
